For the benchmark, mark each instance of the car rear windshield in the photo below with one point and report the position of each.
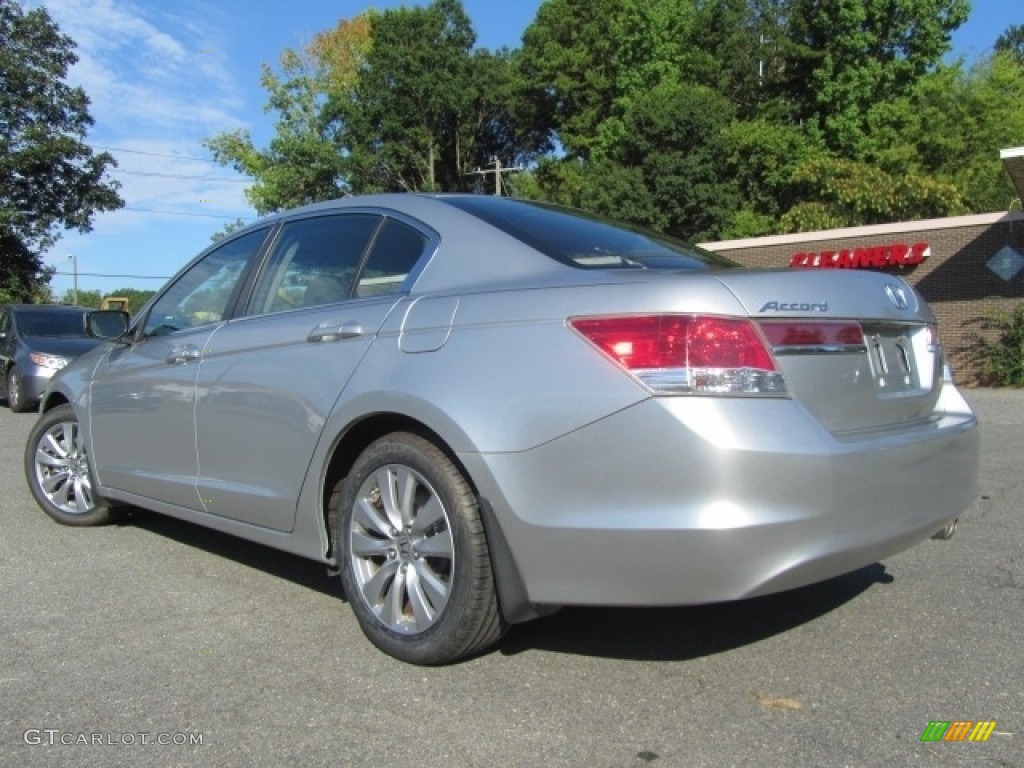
(583, 240)
(40, 322)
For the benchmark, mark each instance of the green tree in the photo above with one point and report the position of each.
(568, 61)
(428, 109)
(762, 157)
(838, 58)
(227, 229)
(397, 100)
(303, 162)
(675, 138)
(821, 90)
(82, 298)
(665, 172)
(951, 127)
(49, 178)
(94, 299)
(410, 120)
(1012, 42)
(558, 180)
(503, 122)
(844, 193)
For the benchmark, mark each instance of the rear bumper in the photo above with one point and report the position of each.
(692, 500)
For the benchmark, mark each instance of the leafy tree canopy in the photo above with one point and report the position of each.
(49, 178)
(840, 57)
(395, 100)
(303, 163)
(703, 118)
(1012, 42)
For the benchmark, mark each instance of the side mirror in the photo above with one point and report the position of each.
(107, 324)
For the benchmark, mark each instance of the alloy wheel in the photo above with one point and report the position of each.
(401, 549)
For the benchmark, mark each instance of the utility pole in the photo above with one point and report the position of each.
(497, 176)
(74, 278)
(497, 171)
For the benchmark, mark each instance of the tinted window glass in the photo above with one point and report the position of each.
(42, 322)
(581, 240)
(396, 250)
(314, 262)
(201, 294)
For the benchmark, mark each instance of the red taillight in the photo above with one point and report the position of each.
(687, 353)
(720, 342)
(813, 334)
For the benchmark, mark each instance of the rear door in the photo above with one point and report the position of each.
(269, 380)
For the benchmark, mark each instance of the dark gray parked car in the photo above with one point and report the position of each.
(36, 341)
(480, 409)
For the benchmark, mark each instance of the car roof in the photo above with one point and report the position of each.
(467, 264)
(48, 307)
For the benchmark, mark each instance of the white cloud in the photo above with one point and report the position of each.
(105, 25)
(160, 81)
(148, 72)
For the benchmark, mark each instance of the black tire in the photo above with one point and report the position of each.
(58, 471)
(15, 393)
(424, 593)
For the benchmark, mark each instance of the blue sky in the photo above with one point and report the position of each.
(163, 76)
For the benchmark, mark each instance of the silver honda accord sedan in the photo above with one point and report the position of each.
(478, 409)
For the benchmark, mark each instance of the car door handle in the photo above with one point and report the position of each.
(182, 355)
(333, 331)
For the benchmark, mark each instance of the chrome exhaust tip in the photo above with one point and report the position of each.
(946, 533)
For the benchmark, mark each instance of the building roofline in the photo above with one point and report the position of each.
(925, 225)
(1013, 164)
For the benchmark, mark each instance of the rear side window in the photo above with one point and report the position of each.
(584, 241)
(314, 262)
(395, 251)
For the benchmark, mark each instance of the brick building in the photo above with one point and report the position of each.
(966, 267)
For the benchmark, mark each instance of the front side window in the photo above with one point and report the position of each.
(314, 262)
(201, 295)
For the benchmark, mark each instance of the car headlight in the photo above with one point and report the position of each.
(49, 361)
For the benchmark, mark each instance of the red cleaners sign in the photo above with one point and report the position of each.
(868, 257)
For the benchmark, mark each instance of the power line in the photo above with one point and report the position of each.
(8, 211)
(101, 274)
(179, 176)
(180, 213)
(153, 154)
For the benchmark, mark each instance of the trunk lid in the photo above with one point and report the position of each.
(887, 376)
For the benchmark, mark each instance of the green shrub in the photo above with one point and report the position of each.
(1001, 362)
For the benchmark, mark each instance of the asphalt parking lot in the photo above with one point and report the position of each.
(157, 643)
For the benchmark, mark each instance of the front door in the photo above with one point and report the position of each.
(142, 397)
